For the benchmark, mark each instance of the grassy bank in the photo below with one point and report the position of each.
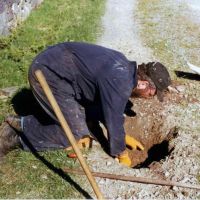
(53, 22)
(24, 175)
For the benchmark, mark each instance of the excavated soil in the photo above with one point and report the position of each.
(149, 128)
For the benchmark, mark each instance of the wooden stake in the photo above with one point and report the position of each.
(134, 179)
(67, 131)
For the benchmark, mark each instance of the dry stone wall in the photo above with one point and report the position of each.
(12, 12)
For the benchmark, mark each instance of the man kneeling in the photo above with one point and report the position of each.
(90, 83)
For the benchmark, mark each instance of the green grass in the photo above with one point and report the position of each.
(23, 175)
(54, 22)
(5, 107)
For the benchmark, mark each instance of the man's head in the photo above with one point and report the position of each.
(153, 78)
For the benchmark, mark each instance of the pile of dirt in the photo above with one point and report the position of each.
(148, 126)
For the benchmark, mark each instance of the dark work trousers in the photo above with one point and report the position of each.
(45, 133)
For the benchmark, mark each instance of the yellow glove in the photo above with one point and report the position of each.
(124, 159)
(85, 142)
(133, 143)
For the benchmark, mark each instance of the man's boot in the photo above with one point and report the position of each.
(14, 122)
(9, 139)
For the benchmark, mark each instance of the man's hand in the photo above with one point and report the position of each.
(133, 143)
(85, 142)
(124, 159)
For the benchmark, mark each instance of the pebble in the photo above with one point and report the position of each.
(18, 192)
(8, 92)
(167, 174)
(101, 182)
(180, 88)
(108, 163)
(175, 188)
(44, 176)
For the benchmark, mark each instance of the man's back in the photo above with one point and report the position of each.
(87, 66)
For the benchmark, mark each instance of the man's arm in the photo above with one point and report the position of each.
(115, 88)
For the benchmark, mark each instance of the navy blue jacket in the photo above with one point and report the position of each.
(97, 74)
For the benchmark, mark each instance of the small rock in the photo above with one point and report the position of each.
(167, 174)
(180, 196)
(175, 188)
(101, 182)
(172, 89)
(186, 194)
(180, 88)
(108, 163)
(8, 92)
(44, 176)
(185, 180)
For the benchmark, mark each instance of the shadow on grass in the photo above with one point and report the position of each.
(56, 170)
(25, 104)
(187, 75)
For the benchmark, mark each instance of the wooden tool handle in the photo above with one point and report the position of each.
(67, 131)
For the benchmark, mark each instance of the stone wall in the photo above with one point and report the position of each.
(12, 12)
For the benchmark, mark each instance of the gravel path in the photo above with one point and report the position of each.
(120, 30)
(121, 33)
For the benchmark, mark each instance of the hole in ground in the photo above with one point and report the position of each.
(156, 148)
(157, 153)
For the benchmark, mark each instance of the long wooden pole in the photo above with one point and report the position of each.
(67, 131)
(134, 179)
